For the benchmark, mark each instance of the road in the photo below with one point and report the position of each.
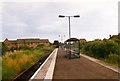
(81, 69)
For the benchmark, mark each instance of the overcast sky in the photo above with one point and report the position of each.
(98, 19)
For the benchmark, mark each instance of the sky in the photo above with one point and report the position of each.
(39, 19)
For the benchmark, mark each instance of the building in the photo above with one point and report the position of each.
(25, 42)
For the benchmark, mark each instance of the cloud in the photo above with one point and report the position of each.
(40, 19)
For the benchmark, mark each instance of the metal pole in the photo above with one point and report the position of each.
(69, 28)
(69, 38)
(69, 31)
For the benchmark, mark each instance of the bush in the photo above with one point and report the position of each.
(113, 58)
(56, 43)
(4, 48)
(40, 46)
(111, 47)
(25, 48)
(100, 49)
(107, 50)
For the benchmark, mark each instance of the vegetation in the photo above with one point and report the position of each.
(18, 61)
(106, 49)
(4, 48)
(24, 48)
(56, 43)
(0, 61)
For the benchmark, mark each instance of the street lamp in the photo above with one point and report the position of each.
(61, 37)
(75, 16)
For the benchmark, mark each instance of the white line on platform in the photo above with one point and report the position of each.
(41, 67)
(50, 71)
(97, 61)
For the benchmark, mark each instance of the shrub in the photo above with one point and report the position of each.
(40, 46)
(100, 49)
(110, 47)
(4, 48)
(113, 58)
(25, 48)
(106, 49)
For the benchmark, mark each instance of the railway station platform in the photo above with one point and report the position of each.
(46, 70)
(59, 68)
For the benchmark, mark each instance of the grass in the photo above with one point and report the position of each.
(0, 68)
(112, 59)
(16, 62)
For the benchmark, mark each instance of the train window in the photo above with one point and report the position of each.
(72, 48)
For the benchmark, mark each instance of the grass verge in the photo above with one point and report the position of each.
(16, 62)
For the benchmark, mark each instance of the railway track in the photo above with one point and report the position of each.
(27, 74)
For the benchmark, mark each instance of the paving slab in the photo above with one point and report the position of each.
(46, 69)
(81, 69)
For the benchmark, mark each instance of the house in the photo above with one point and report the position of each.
(10, 43)
(26, 42)
(45, 41)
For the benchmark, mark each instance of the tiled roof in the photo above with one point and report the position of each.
(37, 40)
(12, 41)
(44, 40)
(27, 40)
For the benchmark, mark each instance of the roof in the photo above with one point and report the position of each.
(27, 40)
(31, 40)
(44, 40)
(72, 39)
(12, 41)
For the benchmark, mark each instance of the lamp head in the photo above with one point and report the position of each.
(62, 16)
(77, 16)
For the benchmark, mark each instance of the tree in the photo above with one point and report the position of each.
(4, 48)
(56, 43)
(111, 47)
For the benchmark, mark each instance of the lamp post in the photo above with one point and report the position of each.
(75, 16)
(61, 38)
